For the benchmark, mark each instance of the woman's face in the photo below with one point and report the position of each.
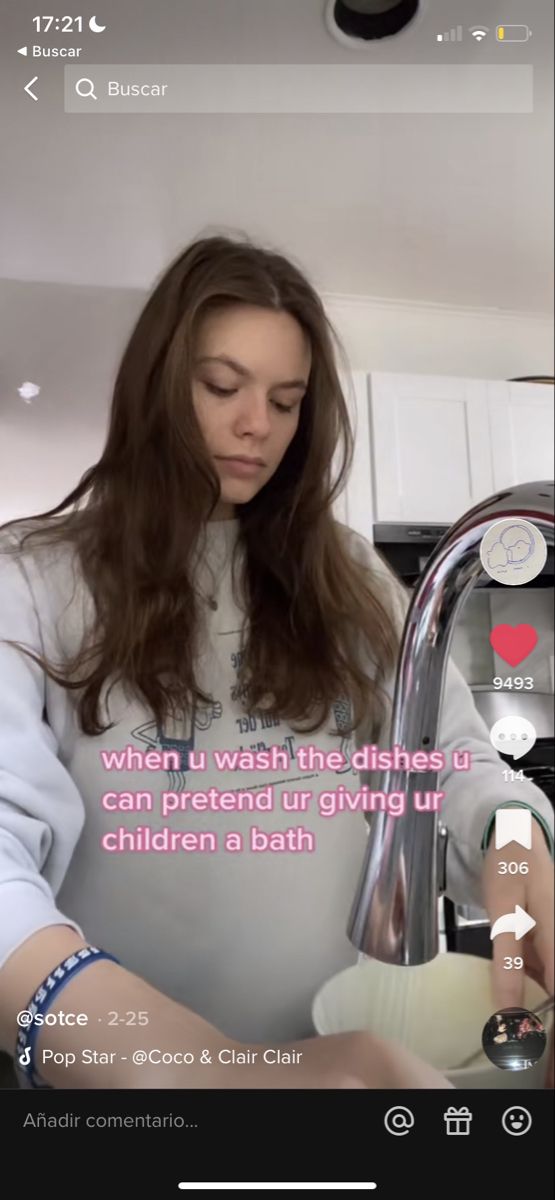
(251, 370)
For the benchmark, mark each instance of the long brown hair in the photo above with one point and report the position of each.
(312, 609)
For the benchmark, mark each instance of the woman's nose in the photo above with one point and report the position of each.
(254, 416)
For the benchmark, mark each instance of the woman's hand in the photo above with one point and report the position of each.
(356, 1059)
(338, 1060)
(534, 892)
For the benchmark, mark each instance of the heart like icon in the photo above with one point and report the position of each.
(513, 643)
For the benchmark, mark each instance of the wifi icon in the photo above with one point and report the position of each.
(479, 32)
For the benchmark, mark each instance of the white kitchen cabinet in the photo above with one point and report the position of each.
(521, 432)
(430, 446)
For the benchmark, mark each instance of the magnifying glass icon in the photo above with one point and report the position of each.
(90, 89)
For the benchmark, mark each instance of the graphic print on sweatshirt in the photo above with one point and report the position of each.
(227, 716)
(157, 738)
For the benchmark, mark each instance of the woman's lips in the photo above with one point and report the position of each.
(237, 466)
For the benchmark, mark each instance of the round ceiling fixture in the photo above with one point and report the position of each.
(357, 23)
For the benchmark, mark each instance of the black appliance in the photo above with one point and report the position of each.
(407, 548)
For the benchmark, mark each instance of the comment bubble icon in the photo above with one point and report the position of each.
(514, 736)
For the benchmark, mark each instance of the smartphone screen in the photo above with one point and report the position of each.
(276, 590)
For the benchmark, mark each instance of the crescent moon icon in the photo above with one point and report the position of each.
(95, 27)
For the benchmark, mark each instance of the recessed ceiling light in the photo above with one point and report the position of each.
(357, 23)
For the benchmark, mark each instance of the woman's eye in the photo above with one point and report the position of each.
(211, 387)
(218, 391)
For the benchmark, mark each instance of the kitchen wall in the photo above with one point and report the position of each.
(68, 340)
(438, 339)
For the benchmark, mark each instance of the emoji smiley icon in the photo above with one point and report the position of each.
(516, 1120)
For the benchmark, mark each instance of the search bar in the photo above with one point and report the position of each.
(243, 88)
(334, 1187)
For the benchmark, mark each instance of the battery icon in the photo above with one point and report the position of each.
(513, 33)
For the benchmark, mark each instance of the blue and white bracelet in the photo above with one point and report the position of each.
(39, 1005)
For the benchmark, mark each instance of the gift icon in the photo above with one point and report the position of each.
(457, 1120)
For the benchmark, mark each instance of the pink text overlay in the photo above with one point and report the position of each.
(258, 838)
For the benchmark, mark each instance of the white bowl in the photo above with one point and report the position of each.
(437, 1011)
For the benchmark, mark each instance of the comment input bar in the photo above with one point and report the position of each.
(248, 89)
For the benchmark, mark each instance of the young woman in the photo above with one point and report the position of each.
(198, 596)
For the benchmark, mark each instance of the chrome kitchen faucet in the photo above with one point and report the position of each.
(394, 916)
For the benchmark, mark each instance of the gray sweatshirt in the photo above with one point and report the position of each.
(243, 930)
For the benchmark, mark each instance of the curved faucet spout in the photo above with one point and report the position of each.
(394, 916)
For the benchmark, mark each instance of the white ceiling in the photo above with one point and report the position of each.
(450, 209)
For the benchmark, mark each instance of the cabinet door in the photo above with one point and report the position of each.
(430, 446)
(521, 431)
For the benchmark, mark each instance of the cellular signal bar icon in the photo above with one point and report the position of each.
(456, 35)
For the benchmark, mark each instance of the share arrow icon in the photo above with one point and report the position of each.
(518, 922)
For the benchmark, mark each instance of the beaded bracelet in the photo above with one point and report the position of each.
(39, 1005)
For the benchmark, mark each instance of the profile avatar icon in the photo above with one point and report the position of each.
(513, 551)
(515, 545)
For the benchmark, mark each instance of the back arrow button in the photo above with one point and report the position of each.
(28, 87)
